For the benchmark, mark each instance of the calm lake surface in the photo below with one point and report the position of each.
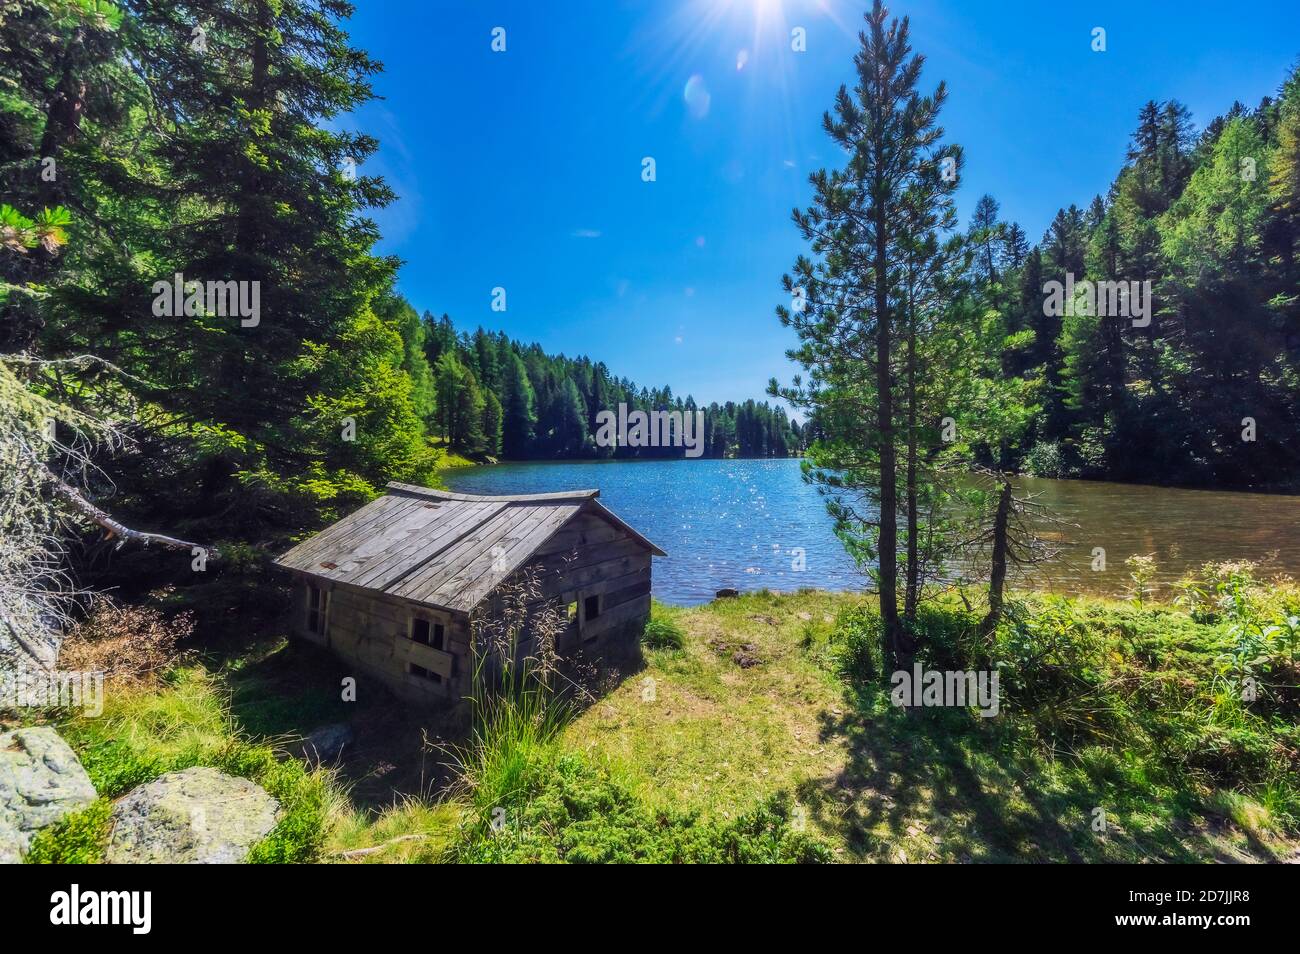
(742, 523)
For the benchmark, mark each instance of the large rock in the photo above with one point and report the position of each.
(195, 816)
(41, 780)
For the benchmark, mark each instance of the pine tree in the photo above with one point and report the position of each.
(1015, 247)
(471, 406)
(859, 227)
(491, 425)
(212, 156)
(987, 235)
(519, 408)
(398, 313)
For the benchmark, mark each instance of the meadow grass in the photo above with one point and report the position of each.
(760, 728)
(410, 831)
(148, 730)
(695, 730)
(1108, 708)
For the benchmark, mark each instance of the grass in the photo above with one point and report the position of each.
(573, 811)
(662, 632)
(449, 459)
(411, 831)
(147, 731)
(1135, 741)
(695, 730)
(531, 798)
(760, 729)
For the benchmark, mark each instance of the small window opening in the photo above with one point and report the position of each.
(430, 634)
(423, 673)
(317, 607)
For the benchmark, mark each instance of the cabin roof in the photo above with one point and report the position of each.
(442, 549)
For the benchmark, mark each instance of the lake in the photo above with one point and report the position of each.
(751, 524)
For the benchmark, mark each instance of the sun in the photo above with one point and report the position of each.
(763, 11)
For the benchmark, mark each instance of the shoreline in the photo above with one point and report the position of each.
(465, 463)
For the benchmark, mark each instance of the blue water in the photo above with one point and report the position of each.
(743, 523)
(723, 523)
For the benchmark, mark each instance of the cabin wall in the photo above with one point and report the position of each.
(374, 632)
(590, 557)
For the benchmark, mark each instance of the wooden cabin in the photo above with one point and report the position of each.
(393, 586)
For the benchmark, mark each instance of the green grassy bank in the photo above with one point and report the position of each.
(760, 729)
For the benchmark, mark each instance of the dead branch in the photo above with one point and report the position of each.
(375, 849)
(116, 528)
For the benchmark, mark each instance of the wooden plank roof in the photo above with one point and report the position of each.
(442, 549)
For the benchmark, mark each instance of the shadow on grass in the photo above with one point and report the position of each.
(940, 784)
(583, 679)
(396, 750)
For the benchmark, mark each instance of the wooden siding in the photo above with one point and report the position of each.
(373, 631)
(425, 554)
(589, 557)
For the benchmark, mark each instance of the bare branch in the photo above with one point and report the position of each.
(116, 528)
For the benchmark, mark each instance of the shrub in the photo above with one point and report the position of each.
(1051, 459)
(77, 839)
(857, 639)
(1262, 629)
(1141, 571)
(662, 632)
(126, 642)
(1217, 589)
(578, 813)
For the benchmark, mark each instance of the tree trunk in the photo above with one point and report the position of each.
(998, 572)
(62, 121)
(912, 594)
(897, 652)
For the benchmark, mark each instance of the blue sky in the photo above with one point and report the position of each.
(522, 169)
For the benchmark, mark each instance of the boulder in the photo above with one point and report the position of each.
(41, 781)
(195, 816)
(326, 743)
(727, 592)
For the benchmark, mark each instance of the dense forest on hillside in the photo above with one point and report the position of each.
(1203, 389)
(488, 395)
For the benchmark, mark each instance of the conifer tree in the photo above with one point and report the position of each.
(849, 296)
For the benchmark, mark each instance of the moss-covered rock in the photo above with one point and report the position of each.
(198, 815)
(41, 782)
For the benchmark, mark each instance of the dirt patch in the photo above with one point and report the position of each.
(744, 655)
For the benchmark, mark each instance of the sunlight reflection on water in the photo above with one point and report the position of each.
(743, 523)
